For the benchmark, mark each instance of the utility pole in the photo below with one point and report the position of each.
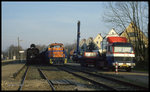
(18, 49)
(78, 36)
(8, 54)
(11, 54)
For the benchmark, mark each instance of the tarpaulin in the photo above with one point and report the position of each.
(116, 39)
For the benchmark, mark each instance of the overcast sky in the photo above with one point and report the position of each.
(47, 22)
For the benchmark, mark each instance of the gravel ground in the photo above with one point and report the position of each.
(9, 85)
(8, 82)
(9, 70)
(137, 77)
(53, 73)
(36, 85)
(35, 82)
(33, 73)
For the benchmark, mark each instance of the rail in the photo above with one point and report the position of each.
(111, 79)
(22, 82)
(49, 82)
(88, 79)
(16, 73)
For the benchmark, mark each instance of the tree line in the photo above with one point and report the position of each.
(12, 51)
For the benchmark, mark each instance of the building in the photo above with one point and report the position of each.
(111, 33)
(133, 34)
(89, 40)
(98, 39)
(83, 45)
(2, 57)
(82, 42)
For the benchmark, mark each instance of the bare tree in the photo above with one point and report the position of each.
(122, 13)
(91, 46)
(12, 51)
(70, 47)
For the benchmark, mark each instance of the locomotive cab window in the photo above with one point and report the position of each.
(57, 46)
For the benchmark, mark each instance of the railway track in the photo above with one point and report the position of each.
(104, 87)
(27, 78)
(23, 79)
(105, 80)
(74, 81)
(31, 80)
(55, 84)
(49, 82)
(18, 72)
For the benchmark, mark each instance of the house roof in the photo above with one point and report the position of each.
(110, 33)
(132, 24)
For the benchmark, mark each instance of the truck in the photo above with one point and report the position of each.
(117, 49)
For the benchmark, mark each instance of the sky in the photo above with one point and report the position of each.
(43, 23)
